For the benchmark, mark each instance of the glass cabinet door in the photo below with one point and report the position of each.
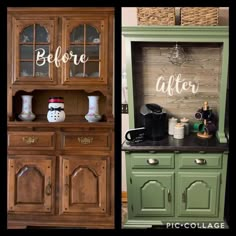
(84, 42)
(33, 43)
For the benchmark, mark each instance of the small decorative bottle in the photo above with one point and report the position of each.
(93, 113)
(171, 125)
(185, 122)
(26, 113)
(56, 109)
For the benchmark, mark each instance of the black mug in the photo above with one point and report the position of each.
(210, 128)
(133, 135)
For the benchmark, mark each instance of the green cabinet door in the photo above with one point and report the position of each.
(152, 193)
(198, 193)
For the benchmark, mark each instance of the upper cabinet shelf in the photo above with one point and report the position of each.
(147, 51)
(66, 52)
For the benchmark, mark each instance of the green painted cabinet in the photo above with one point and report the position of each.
(175, 187)
(198, 193)
(174, 180)
(152, 193)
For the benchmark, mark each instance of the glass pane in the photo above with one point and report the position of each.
(41, 34)
(26, 52)
(26, 68)
(77, 70)
(92, 68)
(77, 50)
(42, 50)
(92, 35)
(42, 71)
(26, 35)
(77, 35)
(92, 52)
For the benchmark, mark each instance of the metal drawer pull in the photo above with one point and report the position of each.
(85, 140)
(152, 161)
(30, 139)
(169, 195)
(200, 161)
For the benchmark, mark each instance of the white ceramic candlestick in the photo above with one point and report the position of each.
(26, 113)
(93, 113)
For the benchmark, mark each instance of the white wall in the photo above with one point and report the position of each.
(129, 18)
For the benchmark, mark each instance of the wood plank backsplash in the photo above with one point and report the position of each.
(203, 67)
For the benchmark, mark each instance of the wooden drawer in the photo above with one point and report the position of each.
(86, 140)
(31, 140)
(213, 160)
(152, 161)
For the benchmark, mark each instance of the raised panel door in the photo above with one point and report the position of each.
(198, 194)
(31, 184)
(152, 193)
(84, 184)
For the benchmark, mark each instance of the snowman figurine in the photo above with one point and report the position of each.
(56, 109)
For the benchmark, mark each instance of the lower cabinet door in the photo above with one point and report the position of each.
(198, 194)
(31, 184)
(84, 185)
(152, 194)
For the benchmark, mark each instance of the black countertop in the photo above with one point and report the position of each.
(191, 143)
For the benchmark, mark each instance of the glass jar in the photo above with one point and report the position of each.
(185, 122)
(179, 131)
(56, 109)
(171, 125)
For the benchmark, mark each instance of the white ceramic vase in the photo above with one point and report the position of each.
(26, 113)
(93, 113)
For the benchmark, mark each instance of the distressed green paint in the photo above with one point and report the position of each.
(207, 198)
(214, 34)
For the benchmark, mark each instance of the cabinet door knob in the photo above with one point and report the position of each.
(169, 195)
(67, 186)
(48, 189)
(200, 161)
(184, 196)
(152, 161)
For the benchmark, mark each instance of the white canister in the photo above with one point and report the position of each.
(56, 109)
(179, 131)
(171, 125)
(185, 122)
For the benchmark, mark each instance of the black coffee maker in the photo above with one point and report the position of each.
(154, 121)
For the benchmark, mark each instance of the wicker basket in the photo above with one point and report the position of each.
(199, 15)
(156, 15)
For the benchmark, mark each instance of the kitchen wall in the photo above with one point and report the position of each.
(129, 18)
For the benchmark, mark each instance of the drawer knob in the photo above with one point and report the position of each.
(152, 161)
(49, 188)
(200, 161)
(85, 140)
(169, 195)
(67, 186)
(30, 139)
